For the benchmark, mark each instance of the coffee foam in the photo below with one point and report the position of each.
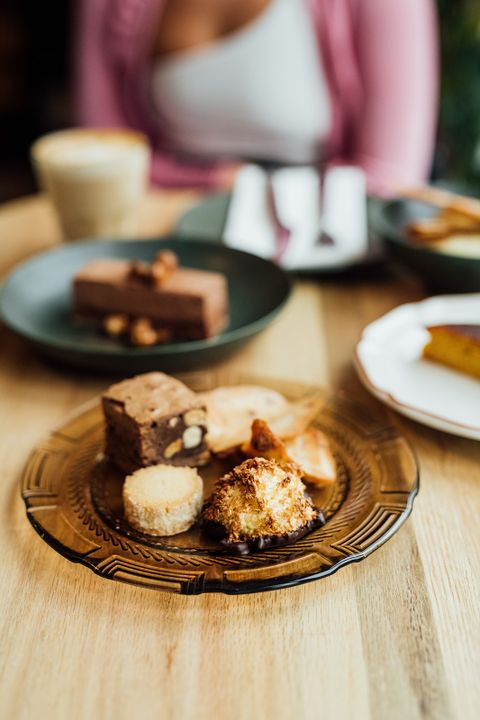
(89, 150)
(95, 179)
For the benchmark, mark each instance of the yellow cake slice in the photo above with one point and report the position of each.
(457, 346)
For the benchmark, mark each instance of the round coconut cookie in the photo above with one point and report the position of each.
(162, 499)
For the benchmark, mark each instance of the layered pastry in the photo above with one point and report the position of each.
(310, 451)
(457, 346)
(154, 418)
(455, 229)
(163, 500)
(231, 411)
(149, 303)
(451, 232)
(444, 224)
(259, 504)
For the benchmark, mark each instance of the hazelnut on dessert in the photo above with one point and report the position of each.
(154, 418)
(163, 500)
(116, 325)
(142, 333)
(259, 504)
(164, 264)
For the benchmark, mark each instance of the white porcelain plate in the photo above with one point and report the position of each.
(390, 364)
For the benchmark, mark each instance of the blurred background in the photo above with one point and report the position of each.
(35, 89)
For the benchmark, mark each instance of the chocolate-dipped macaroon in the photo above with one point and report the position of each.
(260, 504)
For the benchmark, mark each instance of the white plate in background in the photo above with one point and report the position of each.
(390, 364)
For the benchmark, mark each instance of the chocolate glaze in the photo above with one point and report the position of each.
(217, 532)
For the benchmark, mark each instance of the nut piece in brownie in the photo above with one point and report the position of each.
(154, 418)
(260, 504)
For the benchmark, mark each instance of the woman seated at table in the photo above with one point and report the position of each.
(214, 83)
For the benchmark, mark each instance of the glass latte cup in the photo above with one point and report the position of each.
(95, 178)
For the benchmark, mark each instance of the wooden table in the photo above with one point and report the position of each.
(396, 636)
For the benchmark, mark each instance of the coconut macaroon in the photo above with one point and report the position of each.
(163, 499)
(260, 504)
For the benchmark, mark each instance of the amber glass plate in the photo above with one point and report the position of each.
(73, 500)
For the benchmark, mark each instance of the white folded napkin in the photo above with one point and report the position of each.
(343, 216)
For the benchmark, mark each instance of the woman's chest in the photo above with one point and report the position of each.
(260, 92)
(193, 24)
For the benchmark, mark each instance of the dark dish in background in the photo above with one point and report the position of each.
(36, 302)
(440, 271)
(207, 220)
(388, 222)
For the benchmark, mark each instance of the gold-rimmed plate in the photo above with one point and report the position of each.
(73, 500)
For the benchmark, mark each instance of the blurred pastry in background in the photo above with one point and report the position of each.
(457, 346)
(454, 230)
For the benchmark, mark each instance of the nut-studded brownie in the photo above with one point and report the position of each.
(154, 418)
(151, 303)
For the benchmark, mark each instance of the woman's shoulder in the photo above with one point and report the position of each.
(125, 25)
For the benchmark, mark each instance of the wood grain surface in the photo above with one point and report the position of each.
(394, 637)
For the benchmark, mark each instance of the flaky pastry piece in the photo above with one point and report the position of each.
(447, 222)
(259, 504)
(310, 450)
(231, 410)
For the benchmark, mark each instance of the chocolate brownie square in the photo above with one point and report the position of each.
(154, 418)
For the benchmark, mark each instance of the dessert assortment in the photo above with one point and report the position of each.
(145, 304)
(158, 432)
(456, 346)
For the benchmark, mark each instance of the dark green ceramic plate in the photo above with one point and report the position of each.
(207, 221)
(35, 302)
(442, 273)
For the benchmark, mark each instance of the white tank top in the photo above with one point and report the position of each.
(259, 93)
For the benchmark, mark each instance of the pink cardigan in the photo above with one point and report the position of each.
(381, 62)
